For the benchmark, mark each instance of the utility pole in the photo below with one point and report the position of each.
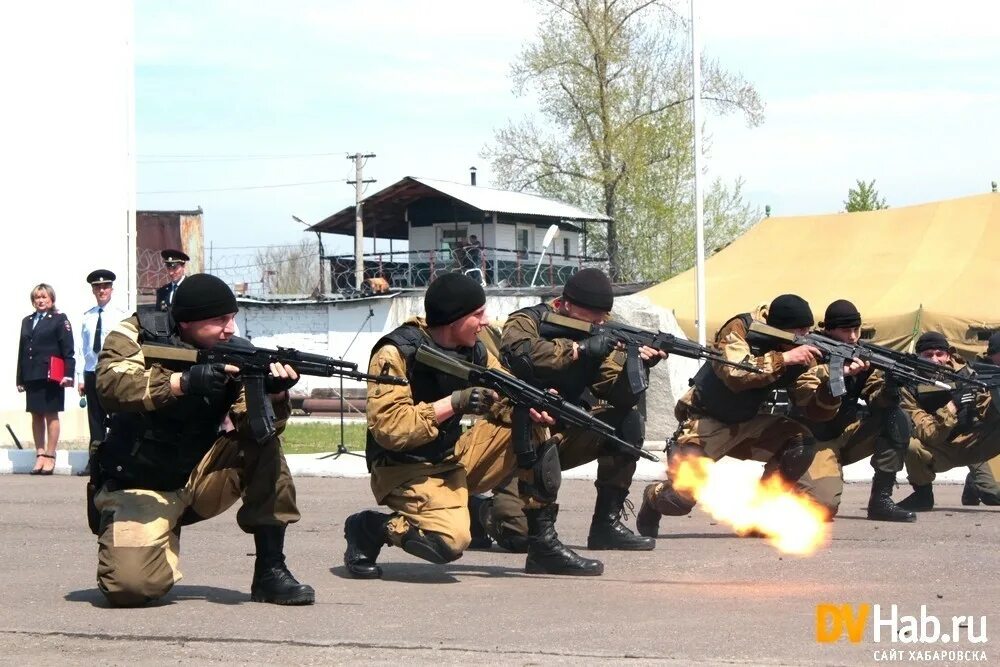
(359, 227)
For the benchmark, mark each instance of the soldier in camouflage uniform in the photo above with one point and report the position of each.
(883, 434)
(721, 414)
(950, 429)
(588, 370)
(981, 484)
(424, 467)
(166, 464)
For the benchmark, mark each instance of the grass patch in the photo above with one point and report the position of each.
(316, 437)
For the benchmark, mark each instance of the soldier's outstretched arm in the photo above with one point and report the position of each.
(931, 428)
(811, 394)
(732, 342)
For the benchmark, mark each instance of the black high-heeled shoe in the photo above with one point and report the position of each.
(43, 471)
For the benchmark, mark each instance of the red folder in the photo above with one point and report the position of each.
(57, 369)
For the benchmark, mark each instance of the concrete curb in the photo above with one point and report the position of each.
(72, 462)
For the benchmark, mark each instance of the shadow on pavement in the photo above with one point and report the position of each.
(179, 593)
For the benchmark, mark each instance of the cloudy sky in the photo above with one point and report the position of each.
(901, 92)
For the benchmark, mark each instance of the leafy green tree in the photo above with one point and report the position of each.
(864, 198)
(614, 131)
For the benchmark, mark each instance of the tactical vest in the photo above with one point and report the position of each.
(572, 382)
(159, 449)
(846, 415)
(715, 399)
(426, 386)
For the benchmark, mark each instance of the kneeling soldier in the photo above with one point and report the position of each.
(721, 414)
(165, 463)
(585, 369)
(883, 434)
(950, 429)
(423, 467)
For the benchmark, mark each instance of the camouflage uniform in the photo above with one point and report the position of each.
(741, 430)
(606, 387)
(425, 471)
(939, 443)
(165, 464)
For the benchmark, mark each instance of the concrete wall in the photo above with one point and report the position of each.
(66, 127)
(330, 328)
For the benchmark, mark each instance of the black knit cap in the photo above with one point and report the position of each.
(451, 297)
(590, 288)
(841, 313)
(201, 297)
(993, 346)
(932, 340)
(789, 311)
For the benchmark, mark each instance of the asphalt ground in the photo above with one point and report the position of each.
(704, 596)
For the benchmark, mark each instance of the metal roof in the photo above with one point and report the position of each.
(507, 201)
(385, 211)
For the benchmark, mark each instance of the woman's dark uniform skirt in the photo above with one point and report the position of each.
(44, 396)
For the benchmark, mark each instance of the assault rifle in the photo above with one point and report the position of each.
(633, 338)
(255, 366)
(905, 368)
(525, 396)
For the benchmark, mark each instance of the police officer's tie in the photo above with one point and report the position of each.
(97, 332)
(170, 297)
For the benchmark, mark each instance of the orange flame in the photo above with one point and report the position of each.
(791, 521)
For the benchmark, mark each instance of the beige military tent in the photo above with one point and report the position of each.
(910, 269)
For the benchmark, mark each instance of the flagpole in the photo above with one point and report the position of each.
(699, 195)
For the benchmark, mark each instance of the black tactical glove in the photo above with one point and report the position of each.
(965, 402)
(204, 380)
(276, 385)
(473, 401)
(595, 348)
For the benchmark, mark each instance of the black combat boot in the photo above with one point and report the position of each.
(365, 533)
(606, 529)
(970, 495)
(921, 500)
(880, 505)
(480, 509)
(546, 554)
(647, 521)
(272, 582)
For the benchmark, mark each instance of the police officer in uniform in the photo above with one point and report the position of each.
(883, 434)
(950, 429)
(721, 414)
(166, 464)
(97, 323)
(583, 369)
(176, 263)
(423, 466)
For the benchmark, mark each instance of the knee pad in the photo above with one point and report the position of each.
(797, 456)
(428, 546)
(632, 428)
(546, 474)
(897, 428)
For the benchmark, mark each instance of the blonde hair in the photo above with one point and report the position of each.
(43, 287)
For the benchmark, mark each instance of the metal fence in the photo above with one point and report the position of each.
(493, 267)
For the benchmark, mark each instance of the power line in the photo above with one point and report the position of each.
(234, 189)
(169, 158)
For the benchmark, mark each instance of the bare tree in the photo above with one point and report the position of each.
(290, 269)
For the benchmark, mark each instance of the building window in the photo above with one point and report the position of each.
(565, 248)
(523, 240)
